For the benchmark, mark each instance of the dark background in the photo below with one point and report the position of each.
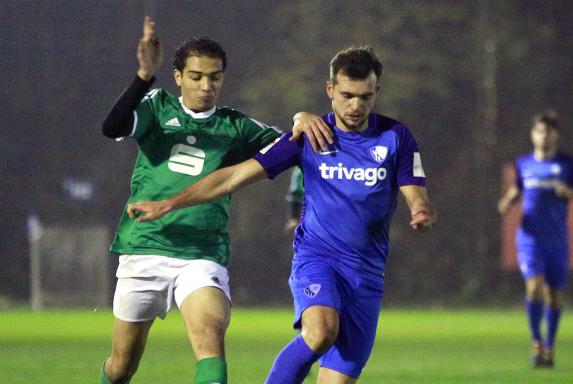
(465, 76)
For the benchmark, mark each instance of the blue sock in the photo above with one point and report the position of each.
(293, 363)
(552, 316)
(534, 310)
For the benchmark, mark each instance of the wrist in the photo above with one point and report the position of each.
(145, 74)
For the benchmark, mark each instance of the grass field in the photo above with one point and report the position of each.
(413, 346)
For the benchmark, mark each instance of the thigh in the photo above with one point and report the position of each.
(193, 275)
(144, 288)
(206, 313)
(357, 331)
(128, 343)
(313, 283)
(531, 261)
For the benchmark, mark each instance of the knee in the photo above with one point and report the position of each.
(213, 329)
(553, 299)
(534, 289)
(208, 338)
(321, 335)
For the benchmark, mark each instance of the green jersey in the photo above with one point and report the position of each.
(176, 148)
(296, 187)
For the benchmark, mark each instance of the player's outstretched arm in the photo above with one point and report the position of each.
(119, 121)
(510, 197)
(423, 214)
(218, 184)
(314, 127)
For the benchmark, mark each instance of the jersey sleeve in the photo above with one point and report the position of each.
(295, 192)
(145, 116)
(255, 136)
(280, 155)
(409, 162)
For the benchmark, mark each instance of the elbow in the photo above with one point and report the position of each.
(109, 130)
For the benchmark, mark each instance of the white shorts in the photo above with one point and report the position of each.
(147, 285)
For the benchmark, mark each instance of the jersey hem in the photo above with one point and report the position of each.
(167, 253)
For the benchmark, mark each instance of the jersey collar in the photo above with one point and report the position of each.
(197, 115)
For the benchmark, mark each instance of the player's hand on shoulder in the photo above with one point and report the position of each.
(149, 53)
(423, 218)
(143, 211)
(314, 127)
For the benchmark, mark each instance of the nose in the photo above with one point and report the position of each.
(206, 84)
(355, 103)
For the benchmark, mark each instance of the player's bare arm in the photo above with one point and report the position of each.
(510, 197)
(314, 127)
(212, 187)
(149, 54)
(564, 191)
(422, 212)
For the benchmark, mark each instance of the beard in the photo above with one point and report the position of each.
(351, 124)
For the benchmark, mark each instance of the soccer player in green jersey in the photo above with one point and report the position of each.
(184, 256)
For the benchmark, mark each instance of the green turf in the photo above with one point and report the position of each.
(412, 347)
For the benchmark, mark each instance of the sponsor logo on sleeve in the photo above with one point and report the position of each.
(312, 290)
(418, 171)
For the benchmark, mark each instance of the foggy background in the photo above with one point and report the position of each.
(465, 76)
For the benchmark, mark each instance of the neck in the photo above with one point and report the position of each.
(544, 154)
(340, 124)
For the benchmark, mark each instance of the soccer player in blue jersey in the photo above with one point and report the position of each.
(342, 243)
(545, 183)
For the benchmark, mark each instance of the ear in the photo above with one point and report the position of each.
(177, 76)
(330, 89)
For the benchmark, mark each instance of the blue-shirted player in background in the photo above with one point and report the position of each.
(545, 181)
(342, 242)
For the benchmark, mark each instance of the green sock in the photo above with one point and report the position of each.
(212, 370)
(104, 379)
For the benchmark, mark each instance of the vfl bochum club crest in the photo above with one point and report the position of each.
(312, 290)
(379, 153)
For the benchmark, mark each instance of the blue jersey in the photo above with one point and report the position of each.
(350, 191)
(544, 213)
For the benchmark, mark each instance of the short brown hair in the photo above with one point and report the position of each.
(356, 63)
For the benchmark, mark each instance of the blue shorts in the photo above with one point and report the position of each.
(550, 261)
(357, 301)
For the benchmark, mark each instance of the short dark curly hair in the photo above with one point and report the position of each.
(356, 63)
(202, 46)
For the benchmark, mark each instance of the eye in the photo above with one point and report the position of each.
(215, 77)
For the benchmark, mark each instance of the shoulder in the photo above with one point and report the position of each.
(160, 97)
(386, 123)
(565, 157)
(522, 159)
